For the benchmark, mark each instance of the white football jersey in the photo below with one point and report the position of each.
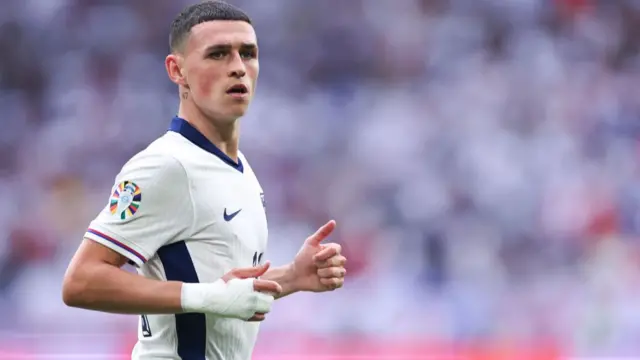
(183, 210)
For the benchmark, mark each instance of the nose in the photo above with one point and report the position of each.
(236, 68)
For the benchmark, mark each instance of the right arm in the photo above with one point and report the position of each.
(95, 281)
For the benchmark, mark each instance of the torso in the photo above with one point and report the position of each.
(229, 231)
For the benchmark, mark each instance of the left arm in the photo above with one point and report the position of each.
(283, 276)
(317, 267)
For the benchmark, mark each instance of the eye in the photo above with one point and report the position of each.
(248, 54)
(216, 55)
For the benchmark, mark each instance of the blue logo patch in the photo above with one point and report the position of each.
(229, 217)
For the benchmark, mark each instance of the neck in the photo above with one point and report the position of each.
(223, 134)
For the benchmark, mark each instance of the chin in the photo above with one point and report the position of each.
(231, 113)
(237, 110)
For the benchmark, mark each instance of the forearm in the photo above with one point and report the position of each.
(104, 287)
(282, 275)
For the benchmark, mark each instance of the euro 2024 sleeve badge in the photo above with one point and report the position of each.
(125, 200)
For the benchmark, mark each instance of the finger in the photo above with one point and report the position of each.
(257, 317)
(267, 287)
(336, 261)
(262, 302)
(321, 234)
(332, 283)
(332, 272)
(329, 250)
(246, 273)
(261, 269)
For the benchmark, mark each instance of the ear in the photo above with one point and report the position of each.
(173, 64)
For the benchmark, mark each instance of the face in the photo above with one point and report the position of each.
(218, 68)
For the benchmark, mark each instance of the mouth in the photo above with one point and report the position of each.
(238, 91)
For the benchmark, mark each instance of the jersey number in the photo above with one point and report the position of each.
(257, 258)
(146, 329)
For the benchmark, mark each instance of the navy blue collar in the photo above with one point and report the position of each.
(182, 127)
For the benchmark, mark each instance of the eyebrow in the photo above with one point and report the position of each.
(228, 47)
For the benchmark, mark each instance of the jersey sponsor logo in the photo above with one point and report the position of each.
(125, 200)
(229, 217)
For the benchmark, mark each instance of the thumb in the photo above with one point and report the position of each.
(252, 272)
(321, 234)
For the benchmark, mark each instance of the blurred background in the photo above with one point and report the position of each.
(481, 158)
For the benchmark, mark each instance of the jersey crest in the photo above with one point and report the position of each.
(125, 200)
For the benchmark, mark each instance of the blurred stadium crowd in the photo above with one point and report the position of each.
(481, 158)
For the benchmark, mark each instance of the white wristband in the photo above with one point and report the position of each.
(235, 299)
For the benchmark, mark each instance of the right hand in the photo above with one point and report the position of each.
(270, 288)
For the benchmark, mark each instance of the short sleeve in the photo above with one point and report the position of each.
(149, 206)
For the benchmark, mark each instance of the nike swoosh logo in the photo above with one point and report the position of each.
(229, 217)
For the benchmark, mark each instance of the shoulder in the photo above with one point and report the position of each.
(157, 162)
(244, 160)
(248, 170)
